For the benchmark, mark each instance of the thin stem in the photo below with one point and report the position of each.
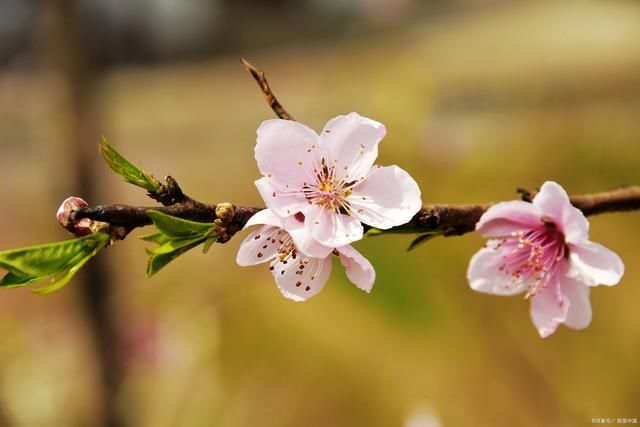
(273, 102)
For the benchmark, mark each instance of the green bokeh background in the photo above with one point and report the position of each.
(476, 104)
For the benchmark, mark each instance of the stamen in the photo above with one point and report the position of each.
(531, 257)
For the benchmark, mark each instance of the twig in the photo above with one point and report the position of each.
(447, 220)
(268, 93)
(169, 193)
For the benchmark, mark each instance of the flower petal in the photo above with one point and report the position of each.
(594, 264)
(303, 239)
(282, 203)
(387, 197)
(331, 228)
(298, 283)
(484, 273)
(358, 269)
(257, 247)
(264, 217)
(554, 202)
(351, 143)
(549, 309)
(504, 218)
(286, 151)
(579, 314)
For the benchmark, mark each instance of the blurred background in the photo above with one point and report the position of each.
(478, 98)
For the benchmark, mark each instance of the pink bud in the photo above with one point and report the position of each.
(81, 227)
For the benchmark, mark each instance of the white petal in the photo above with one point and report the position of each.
(388, 197)
(351, 142)
(286, 151)
(504, 218)
(548, 310)
(298, 283)
(264, 217)
(359, 270)
(554, 202)
(579, 313)
(282, 203)
(485, 276)
(330, 228)
(303, 239)
(257, 247)
(594, 264)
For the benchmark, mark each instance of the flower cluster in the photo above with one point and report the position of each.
(319, 191)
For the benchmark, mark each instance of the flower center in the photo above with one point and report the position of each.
(328, 190)
(531, 257)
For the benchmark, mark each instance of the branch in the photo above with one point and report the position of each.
(446, 220)
(268, 93)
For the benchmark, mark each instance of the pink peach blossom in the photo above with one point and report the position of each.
(543, 249)
(300, 265)
(331, 178)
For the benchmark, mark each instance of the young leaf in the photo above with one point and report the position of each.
(176, 244)
(176, 237)
(123, 167)
(157, 262)
(178, 227)
(423, 238)
(157, 237)
(58, 284)
(207, 244)
(31, 264)
(49, 259)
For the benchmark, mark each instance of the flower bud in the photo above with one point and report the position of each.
(80, 227)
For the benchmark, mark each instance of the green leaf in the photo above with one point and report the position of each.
(51, 258)
(159, 261)
(27, 265)
(207, 244)
(421, 239)
(373, 232)
(176, 244)
(157, 237)
(123, 167)
(58, 284)
(178, 227)
(175, 237)
(11, 280)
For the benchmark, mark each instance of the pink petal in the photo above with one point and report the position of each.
(257, 247)
(264, 217)
(554, 202)
(286, 152)
(359, 270)
(303, 239)
(300, 284)
(352, 142)
(331, 228)
(548, 310)
(504, 218)
(386, 198)
(577, 294)
(594, 264)
(485, 276)
(283, 203)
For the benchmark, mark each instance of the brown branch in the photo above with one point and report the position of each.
(446, 220)
(268, 93)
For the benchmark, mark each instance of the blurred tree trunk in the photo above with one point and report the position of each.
(63, 43)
